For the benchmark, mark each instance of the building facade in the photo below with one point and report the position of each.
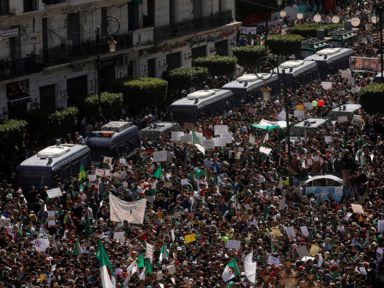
(53, 52)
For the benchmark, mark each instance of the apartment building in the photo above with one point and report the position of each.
(54, 51)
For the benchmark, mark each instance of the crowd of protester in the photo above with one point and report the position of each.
(229, 193)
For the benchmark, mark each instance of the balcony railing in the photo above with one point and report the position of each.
(50, 2)
(19, 67)
(166, 32)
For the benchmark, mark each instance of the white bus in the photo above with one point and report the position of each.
(201, 103)
(298, 72)
(331, 60)
(248, 87)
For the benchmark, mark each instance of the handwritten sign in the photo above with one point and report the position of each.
(290, 232)
(160, 156)
(221, 129)
(304, 231)
(54, 193)
(273, 260)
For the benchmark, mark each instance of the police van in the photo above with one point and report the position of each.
(56, 162)
(155, 130)
(115, 139)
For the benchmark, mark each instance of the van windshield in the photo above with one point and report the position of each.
(28, 178)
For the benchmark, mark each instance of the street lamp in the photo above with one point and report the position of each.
(266, 64)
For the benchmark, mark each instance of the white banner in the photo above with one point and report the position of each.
(250, 268)
(132, 212)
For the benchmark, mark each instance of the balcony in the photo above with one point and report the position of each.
(19, 67)
(166, 32)
(50, 2)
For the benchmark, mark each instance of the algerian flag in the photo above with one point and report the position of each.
(106, 271)
(158, 173)
(197, 142)
(82, 174)
(148, 267)
(231, 270)
(250, 268)
(164, 255)
(132, 269)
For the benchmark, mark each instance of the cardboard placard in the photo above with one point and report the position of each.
(219, 142)
(326, 85)
(51, 218)
(276, 232)
(100, 172)
(54, 193)
(252, 139)
(108, 160)
(227, 138)
(304, 231)
(273, 260)
(314, 250)
(233, 244)
(208, 144)
(265, 150)
(92, 177)
(290, 232)
(328, 139)
(160, 156)
(186, 139)
(221, 129)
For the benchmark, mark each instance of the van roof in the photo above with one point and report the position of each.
(348, 108)
(330, 54)
(251, 81)
(296, 66)
(313, 123)
(201, 97)
(105, 138)
(53, 155)
(160, 126)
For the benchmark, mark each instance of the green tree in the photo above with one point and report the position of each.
(142, 91)
(184, 78)
(287, 44)
(12, 134)
(63, 121)
(247, 56)
(110, 103)
(372, 98)
(311, 29)
(217, 65)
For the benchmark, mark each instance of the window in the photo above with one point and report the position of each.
(31, 5)
(4, 7)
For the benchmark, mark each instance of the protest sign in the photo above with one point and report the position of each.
(273, 260)
(265, 150)
(51, 218)
(282, 204)
(290, 232)
(189, 238)
(252, 139)
(41, 245)
(304, 231)
(149, 250)
(233, 244)
(357, 209)
(160, 156)
(54, 193)
(209, 144)
(226, 138)
(186, 139)
(219, 142)
(220, 129)
(107, 160)
(92, 177)
(118, 235)
(380, 226)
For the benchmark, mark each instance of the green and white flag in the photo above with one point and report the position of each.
(231, 270)
(197, 142)
(164, 254)
(132, 269)
(106, 271)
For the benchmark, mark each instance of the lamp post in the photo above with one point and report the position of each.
(266, 64)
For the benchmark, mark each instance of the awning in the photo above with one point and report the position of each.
(318, 177)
